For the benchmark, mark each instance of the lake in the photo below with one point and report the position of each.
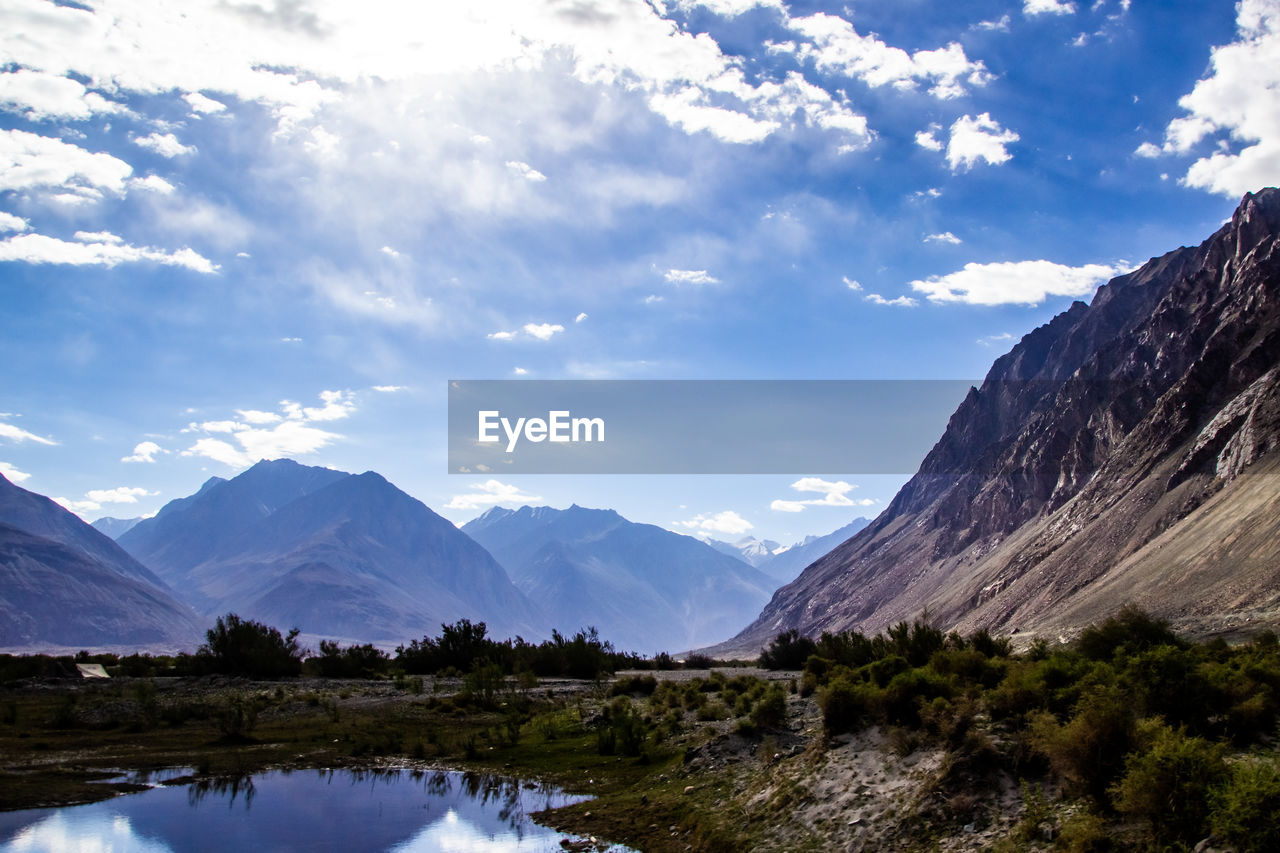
(407, 811)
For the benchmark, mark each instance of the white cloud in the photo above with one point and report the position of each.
(1014, 282)
(260, 434)
(164, 144)
(144, 452)
(39, 249)
(1240, 97)
(944, 237)
(833, 494)
(291, 340)
(929, 139)
(690, 277)
(295, 61)
(389, 252)
(580, 317)
(990, 340)
(77, 506)
(975, 139)
(1032, 8)
(389, 389)
(652, 299)
(502, 336)
(726, 522)
(1001, 25)
(152, 183)
(542, 331)
(29, 161)
(201, 104)
(258, 417)
(897, 302)
(835, 46)
(96, 237)
(13, 475)
(490, 493)
(524, 170)
(9, 222)
(520, 371)
(43, 96)
(1148, 150)
(19, 434)
(850, 283)
(119, 495)
(95, 498)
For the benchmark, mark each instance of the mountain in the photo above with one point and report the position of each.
(784, 566)
(1124, 452)
(114, 528)
(748, 549)
(62, 583)
(645, 588)
(335, 554)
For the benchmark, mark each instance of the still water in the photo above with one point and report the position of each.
(340, 810)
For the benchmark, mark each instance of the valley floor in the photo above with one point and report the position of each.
(693, 776)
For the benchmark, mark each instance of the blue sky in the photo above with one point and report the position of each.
(231, 230)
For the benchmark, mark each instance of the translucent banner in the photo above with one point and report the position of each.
(697, 426)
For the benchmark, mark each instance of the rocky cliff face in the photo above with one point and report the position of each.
(1122, 452)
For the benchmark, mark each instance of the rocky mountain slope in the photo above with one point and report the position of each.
(64, 584)
(1124, 452)
(337, 555)
(644, 588)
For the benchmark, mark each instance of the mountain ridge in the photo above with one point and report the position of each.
(1098, 434)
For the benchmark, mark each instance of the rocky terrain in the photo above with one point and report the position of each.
(1121, 453)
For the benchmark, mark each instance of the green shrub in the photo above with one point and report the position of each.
(788, 650)
(771, 711)
(845, 706)
(1130, 631)
(1167, 781)
(243, 647)
(1088, 752)
(1245, 810)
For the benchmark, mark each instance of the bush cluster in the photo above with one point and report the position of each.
(1137, 721)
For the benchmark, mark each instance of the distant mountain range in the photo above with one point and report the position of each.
(748, 549)
(334, 554)
(645, 588)
(62, 583)
(114, 527)
(783, 566)
(1125, 452)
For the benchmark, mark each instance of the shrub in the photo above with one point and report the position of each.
(1131, 630)
(1089, 751)
(243, 647)
(642, 685)
(1246, 809)
(771, 711)
(1168, 782)
(845, 706)
(361, 661)
(788, 650)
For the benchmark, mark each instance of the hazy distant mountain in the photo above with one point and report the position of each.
(645, 588)
(748, 549)
(63, 583)
(1127, 451)
(114, 528)
(786, 565)
(334, 554)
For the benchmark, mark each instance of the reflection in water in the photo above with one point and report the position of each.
(399, 810)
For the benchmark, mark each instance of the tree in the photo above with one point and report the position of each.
(243, 647)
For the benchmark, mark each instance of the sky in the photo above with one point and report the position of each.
(254, 229)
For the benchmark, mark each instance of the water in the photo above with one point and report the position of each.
(313, 810)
